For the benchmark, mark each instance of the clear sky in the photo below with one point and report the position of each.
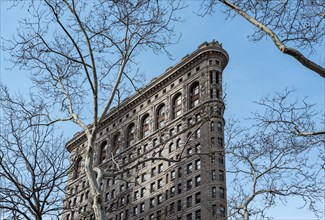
(254, 69)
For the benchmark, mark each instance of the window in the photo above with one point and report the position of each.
(152, 202)
(213, 192)
(189, 216)
(153, 187)
(171, 147)
(130, 135)
(160, 183)
(78, 167)
(160, 168)
(143, 177)
(212, 126)
(219, 125)
(198, 133)
(179, 187)
(142, 192)
(136, 195)
(177, 106)
(213, 175)
(221, 175)
(194, 95)
(135, 210)
(221, 192)
(179, 205)
(172, 207)
(189, 184)
(161, 116)
(117, 143)
(214, 210)
(153, 172)
(172, 175)
(179, 172)
(197, 117)
(178, 143)
(159, 199)
(197, 197)
(198, 164)
(188, 201)
(189, 152)
(198, 214)
(220, 142)
(198, 148)
(197, 180)
(172, 132)
(189, 168)
(179, 128)
(142, 207)
(145, 126)
(172, 191)
(151, 216)
(221, 211)
(103, 148)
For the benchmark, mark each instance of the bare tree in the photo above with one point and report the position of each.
(289, 24)
(279, 157)
(79, 54)
(32, 167)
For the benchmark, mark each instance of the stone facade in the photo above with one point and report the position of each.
(175, 124)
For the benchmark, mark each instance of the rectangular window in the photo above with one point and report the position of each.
(188, 201)
(197, 197)
(189, 184)
(152, 202)
(152, 187)
(179, 205)
(179, 188)
(153, 171)
(197, 180)
(172, 132)
(160, 168)
(179, 172)
(198, 214)
(172, 175)
(221, 175)
(213, 174)
(160, 183)
(172, 207)
(189, 152)
(142, 191)
(189, 216)
(189, 168)
(172, 191)
(136, 195)
(221, 192)
(213, 192)
(159, 199)
(198, 164)
(142, 207)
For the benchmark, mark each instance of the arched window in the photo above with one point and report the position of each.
(117, 144)
(178, 143)
(194, 94)
(103, 148)
(177, 106)
(130, 135)
(161, 116)
(78, 167)
(145, 126)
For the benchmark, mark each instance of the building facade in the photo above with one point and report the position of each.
(168, 137)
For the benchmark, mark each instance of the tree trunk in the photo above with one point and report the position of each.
(97, 205)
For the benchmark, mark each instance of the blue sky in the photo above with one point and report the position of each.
(254, 69)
